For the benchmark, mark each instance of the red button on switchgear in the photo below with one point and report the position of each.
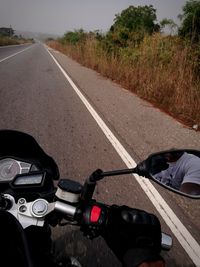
(95, 214)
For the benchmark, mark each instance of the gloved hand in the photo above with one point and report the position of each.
(133, 235)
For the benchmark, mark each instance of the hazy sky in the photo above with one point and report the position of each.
(59, 16)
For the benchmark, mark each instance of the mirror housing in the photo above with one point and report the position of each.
(176, 170)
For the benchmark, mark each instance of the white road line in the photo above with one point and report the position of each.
(1, 60)
(187, 241)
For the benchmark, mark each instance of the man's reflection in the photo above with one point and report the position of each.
(181, 172)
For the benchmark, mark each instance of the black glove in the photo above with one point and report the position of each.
(133, 235)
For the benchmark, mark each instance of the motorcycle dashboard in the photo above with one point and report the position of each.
(20, 153)
(10, 167)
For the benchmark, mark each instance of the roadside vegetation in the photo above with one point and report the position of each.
(7, 37)
(136, 53)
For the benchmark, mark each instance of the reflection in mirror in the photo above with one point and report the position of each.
(178, 169)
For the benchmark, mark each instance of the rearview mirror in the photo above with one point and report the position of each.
(176, 170)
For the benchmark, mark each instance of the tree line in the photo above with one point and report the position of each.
(133, 23)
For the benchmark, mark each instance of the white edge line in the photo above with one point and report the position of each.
(184, 237)
(15, 54)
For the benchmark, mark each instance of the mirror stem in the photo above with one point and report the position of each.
(90, 184)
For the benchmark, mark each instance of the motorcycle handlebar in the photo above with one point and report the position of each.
(91, 217)
(91, 227)
(65, 208)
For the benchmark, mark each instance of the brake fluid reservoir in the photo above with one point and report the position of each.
(69, 190)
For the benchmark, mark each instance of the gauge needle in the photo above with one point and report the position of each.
(9, 168)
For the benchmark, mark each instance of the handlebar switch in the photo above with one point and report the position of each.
(93, 220)
(95, 214)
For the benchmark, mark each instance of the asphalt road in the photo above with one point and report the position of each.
(36, 98)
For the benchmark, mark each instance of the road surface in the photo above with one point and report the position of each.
(36, 97)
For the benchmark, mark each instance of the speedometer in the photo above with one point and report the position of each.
(9, 168)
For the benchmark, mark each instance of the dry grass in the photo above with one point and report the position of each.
(161, 70)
